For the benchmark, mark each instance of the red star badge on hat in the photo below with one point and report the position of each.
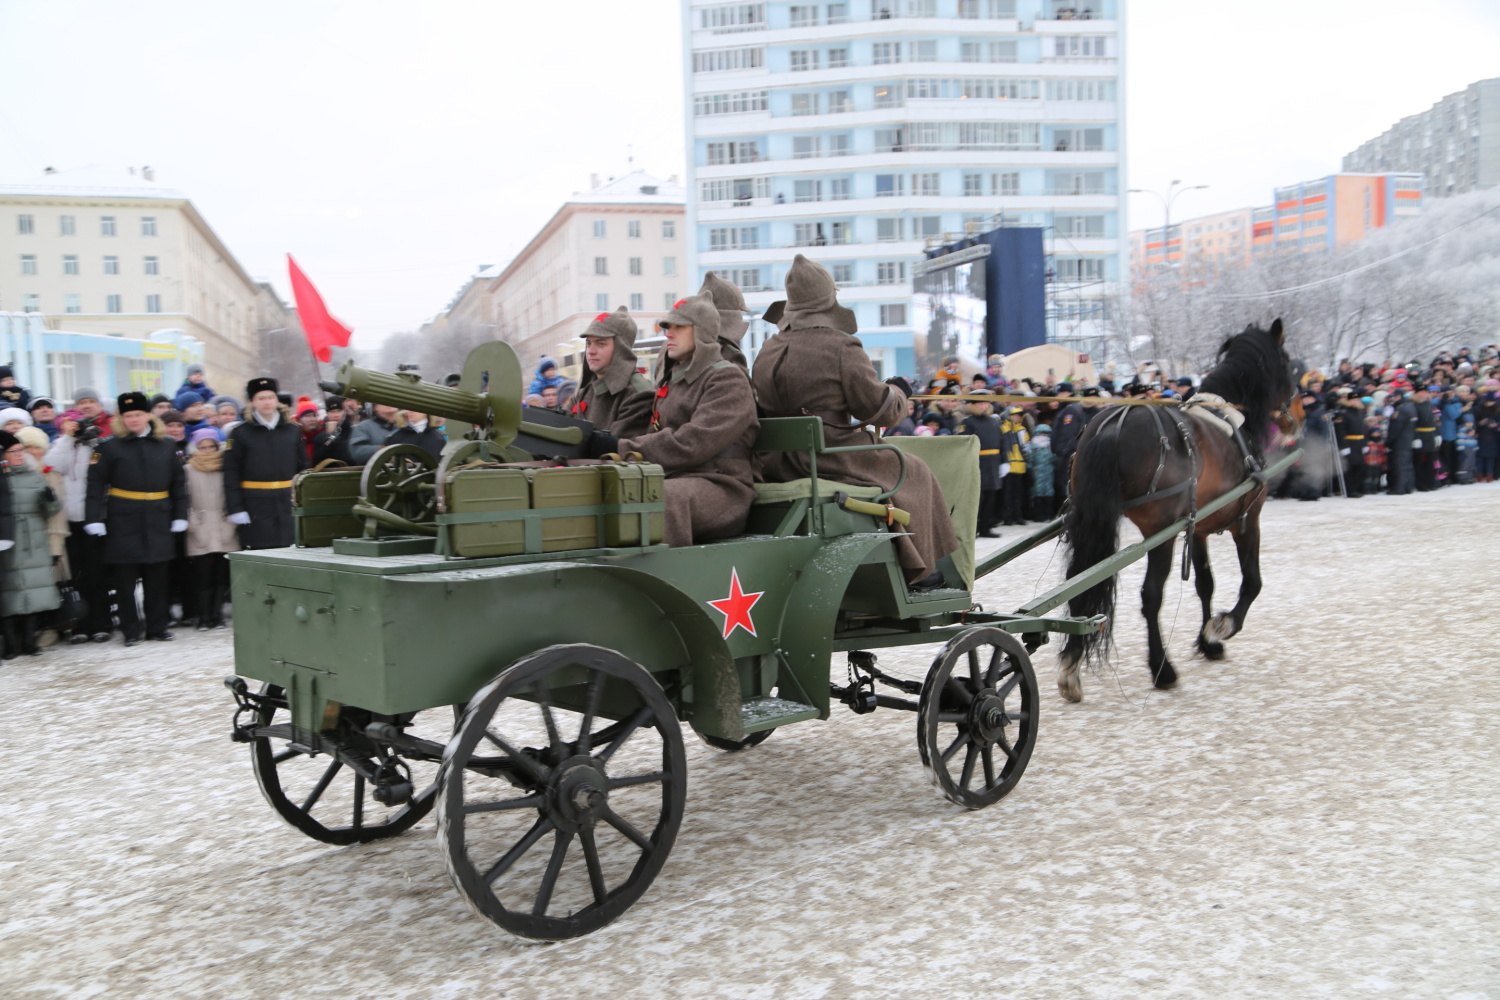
(736, 607)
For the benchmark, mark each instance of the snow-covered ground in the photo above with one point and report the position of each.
(1316, 816)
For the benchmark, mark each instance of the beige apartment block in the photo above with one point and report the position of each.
(621, 244)
(122, 256)
(1207, 242)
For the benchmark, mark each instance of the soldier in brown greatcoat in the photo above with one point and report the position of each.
(700, 431)
(815, 366)
(730, 302)
(612, 394)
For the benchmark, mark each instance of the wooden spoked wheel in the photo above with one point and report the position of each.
(977, 717)
(398, 478)
(603, 802)
(327, 799)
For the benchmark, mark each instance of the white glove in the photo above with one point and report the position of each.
(6, 543)
(242, 518)
(179, 525)
(94, 529)
(1004, 469)
(1345, 452)
(1416, 444)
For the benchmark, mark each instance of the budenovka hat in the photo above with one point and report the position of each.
(697, 311)
(812, 299)
(617, 324)
(730, 302)
(136, 401)
(262, 384)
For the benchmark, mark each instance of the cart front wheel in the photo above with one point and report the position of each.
(977, 717)
(533, 763)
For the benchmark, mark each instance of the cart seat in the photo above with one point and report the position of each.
(801, 489)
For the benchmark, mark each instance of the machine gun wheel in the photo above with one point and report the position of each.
(398, 479)
(977, 717)
(530, 762)
(735, 746)
(323, 796)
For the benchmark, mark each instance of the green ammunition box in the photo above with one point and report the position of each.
(632, 484)
(472, 493)
(321, 505)
(567, 487)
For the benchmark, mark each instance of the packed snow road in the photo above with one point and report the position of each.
(1317, 815)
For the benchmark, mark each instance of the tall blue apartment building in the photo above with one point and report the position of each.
(861, 132)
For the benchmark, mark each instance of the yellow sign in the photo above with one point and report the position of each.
(157, 349)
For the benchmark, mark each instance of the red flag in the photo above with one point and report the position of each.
(322, 330)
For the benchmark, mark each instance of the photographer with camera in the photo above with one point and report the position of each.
(81, 429)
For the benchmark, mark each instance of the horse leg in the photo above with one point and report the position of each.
(1158, 567)
(1203, 580)
(1247, 544)
(1069, 684)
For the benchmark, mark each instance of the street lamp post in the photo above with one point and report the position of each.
(1173, 193)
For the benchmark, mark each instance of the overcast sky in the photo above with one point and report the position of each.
(393, 147)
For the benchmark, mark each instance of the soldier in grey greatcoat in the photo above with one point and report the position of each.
(815, 366)
(613, 395)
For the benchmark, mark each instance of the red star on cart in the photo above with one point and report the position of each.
(736, 607)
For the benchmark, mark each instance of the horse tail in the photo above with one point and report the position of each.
(1092, 534)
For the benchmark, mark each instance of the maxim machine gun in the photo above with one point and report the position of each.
(506, 638)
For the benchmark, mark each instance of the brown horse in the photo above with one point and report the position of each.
(1156, 464)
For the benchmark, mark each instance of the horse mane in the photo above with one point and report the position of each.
(1254, 371)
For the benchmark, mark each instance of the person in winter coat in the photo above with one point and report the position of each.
(730, 302)
(370, 434)
(415, 428)
(10, 393)
(982, 423)
(816, 366)
(261, 457)
(1013, 442)
(210, 533)
(37, 445)
(311, 425)
(1067, 425)
(1043, 474)
(226, 413)
(196, 384)
(1401, 436)
(613, 395)
(1450, 408)
(70, 457)
(1349, 438)
(546, 377)
(44, 416)
(136, 502)
(1425, 454)
(13, 418)
(700, 431)
(28, 585)
(1487, 432)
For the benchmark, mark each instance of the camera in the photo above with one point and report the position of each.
(88, 433)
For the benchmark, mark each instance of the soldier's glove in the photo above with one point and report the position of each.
(179, 525)
(241, 518)
(94, 529)
(5, 544)
(602, 443)
(900, 383)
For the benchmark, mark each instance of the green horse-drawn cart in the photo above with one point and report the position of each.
(506, 640)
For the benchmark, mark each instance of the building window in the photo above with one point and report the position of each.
(668, 300)
(1079, 183)
(804, 104)
(807, 191)
(1080, 226)
(601, 265)
(973, 185)
(841, 233)
(838, 144)
(637, 302)
(890, 272)
(153, 303)
(890, 185)
(809, 234)
(993, 9)
(804, 60)
(740, 189)
(928, 185)
(70, 263)
(67, 225)
(885, 53)
(112, 304)
(106, 225)
(888, 95)
(893, 314)
(890, 140)
(838, 189)
(635, 266)
(731, 238)
(1076, 140)
(803, 15)
(736, 17)
(633, 229)
(890, 230)
(111, 265)
(72, 303)
(925, 226)
(839, 102)
(599, 229)
(838, 58)
(1005, 185)
(1078, 47)
(981, 52)
(741, 102)
(1080, 269)
(838, 13)
(31, 302)
(669, 267)
(728, 60)
(1080, 90)
(148, 225)
(805, 147)
(25, 226)
(601, 302)
(843, 274)
(669, 229)
(924, 51)
(28, 263)
(721, 153)
(151, 266)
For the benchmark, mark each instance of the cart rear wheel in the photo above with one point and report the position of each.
(532, 765)
(977, 718)
(735, 746)
(326, 799)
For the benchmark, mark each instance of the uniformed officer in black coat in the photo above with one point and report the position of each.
(1349, 430)
(1424, 456)
(260, 458)
(137, 500)
(982, 423)
(1067, 425)
(1399, 437)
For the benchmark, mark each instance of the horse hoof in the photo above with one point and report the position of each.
(1069, 685)
(1210, 649)
(1219, 627)
(1166, 677)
